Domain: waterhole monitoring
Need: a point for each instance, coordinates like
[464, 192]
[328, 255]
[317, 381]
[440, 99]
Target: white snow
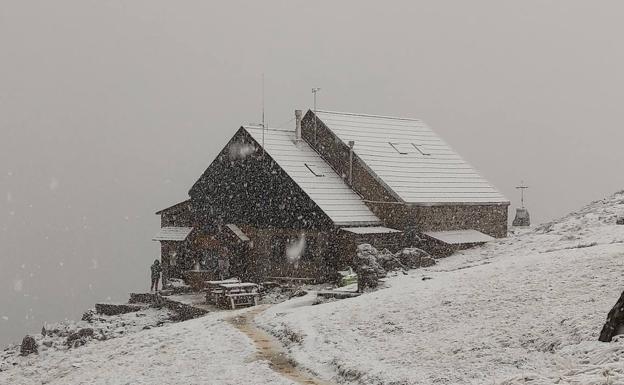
[527, 309]
[207, 350]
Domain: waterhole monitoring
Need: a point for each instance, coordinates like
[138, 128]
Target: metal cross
[522, 187]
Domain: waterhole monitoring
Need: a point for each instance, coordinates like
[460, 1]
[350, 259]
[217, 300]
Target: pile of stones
[372, 264]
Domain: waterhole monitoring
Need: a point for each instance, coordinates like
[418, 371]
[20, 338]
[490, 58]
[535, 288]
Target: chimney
[351, 144]
[298, 125]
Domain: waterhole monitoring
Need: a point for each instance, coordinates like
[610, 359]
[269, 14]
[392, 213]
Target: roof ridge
[369, 115]
[247, 126]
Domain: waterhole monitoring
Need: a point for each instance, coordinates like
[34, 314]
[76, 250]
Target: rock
[619, 220]
[29, 345]
[427, 261]
[47, 343]
[88, 315]
[297, 293]
[389, 261]
[85, 332]
[367, 268]
[79, 338]
[413, 258]
[615, 321]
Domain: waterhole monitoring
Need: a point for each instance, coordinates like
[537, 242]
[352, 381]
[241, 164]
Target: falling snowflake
[295, 250]
[18, 285]
[5, 318]
[94, 264]
[54, 184]
[9, 197]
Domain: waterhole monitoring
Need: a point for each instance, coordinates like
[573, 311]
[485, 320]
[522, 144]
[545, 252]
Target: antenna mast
[314, 91]
[263, 125]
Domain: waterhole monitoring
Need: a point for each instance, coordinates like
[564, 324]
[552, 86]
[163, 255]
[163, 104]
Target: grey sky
[109, 110]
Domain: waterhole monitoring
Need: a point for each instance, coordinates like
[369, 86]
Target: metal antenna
[522, 187]
[263, 125]
[314, 91]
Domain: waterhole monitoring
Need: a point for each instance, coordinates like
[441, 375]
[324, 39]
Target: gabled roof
[172, 234]
[414, 163]
[315, 177]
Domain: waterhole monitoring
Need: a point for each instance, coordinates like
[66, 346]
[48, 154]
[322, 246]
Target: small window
[408, 148]
[314, 169]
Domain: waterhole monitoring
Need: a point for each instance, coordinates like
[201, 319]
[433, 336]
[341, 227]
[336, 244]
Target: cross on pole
[522, 187]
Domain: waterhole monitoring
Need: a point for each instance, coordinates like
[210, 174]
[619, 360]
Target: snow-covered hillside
[526, 309]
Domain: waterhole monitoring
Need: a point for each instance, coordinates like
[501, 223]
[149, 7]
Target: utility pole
[314, 91]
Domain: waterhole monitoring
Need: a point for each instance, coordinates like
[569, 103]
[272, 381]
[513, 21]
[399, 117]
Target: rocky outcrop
[615, 321]
[29, 346]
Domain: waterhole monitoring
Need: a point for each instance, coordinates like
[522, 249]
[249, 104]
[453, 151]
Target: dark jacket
[156, 269]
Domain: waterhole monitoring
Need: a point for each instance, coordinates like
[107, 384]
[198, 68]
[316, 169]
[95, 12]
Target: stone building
[298, 201]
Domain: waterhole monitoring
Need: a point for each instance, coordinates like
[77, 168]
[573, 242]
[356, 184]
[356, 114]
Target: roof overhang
[175, 234]
[459, 237]
[370, 230]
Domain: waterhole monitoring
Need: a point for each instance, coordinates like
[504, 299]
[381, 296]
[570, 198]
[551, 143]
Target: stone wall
[488, 219]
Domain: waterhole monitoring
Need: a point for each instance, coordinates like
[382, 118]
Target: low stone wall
[115, 309]
[184, 311]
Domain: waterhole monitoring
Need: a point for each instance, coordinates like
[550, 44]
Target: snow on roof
[370, 230]
[238, 232]
[315, 177]
[172, 234]
[411, 160]
[458, 237]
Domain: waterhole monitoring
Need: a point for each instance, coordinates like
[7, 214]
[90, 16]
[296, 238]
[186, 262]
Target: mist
[110, 110]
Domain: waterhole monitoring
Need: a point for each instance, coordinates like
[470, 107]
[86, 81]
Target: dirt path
[270, 349]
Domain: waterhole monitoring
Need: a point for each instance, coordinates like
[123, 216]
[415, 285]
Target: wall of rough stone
[488, 219]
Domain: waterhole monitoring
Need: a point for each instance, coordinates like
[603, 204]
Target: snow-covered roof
[370, 230]
[411, 160]
[458, 237]
[172, 234]
[315, 177]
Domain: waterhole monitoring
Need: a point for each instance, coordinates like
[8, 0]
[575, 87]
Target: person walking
[156, 269]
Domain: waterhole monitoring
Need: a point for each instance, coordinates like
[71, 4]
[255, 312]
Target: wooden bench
[242, 299]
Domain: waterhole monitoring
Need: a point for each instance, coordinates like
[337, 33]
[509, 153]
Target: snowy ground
[527, 309]
[206, 350]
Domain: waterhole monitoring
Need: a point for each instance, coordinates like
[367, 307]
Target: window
[408, 148]
[314, 169]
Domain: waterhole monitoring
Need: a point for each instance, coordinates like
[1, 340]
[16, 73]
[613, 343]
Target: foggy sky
[110, 110]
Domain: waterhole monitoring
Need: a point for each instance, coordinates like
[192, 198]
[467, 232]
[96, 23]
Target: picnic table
[233, 294]
[213, 290]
